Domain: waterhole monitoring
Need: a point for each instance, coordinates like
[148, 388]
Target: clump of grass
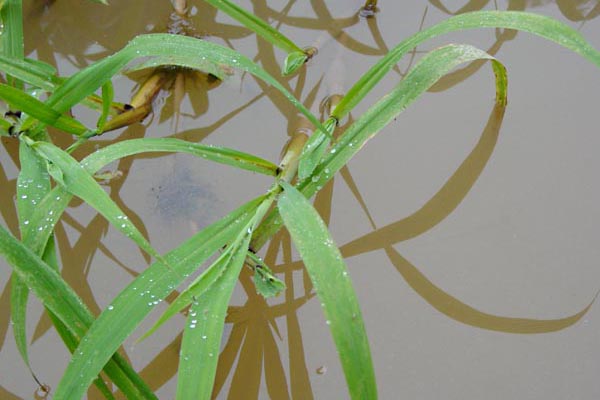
[51, 176]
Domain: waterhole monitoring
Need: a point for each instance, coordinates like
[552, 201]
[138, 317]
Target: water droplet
[333, 151]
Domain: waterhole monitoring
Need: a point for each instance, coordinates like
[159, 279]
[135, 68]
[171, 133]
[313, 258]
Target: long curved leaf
[214, 153]
[77, 180]
[180, 50]
[540, 25]
[329, 276]
[139, 298]
[204, 329]
[62, 301]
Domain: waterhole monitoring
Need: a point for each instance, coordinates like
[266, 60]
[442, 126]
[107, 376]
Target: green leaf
[293, 61]
[140, 297]
[218, 154]
[40, 111]
[181, 50]
[315, 148]
[107, 98]
[204, 328]
[29, 71]
[540, 25]
[329, 275]
[81, 183]
[61, 300]
[267, 284]
[256, 25]
[421, 77]
[11, 39]
[33, 183]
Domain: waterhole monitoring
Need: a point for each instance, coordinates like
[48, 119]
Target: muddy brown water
[458, 227]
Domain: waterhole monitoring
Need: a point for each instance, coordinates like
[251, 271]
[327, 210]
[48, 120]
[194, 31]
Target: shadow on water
[264, 347]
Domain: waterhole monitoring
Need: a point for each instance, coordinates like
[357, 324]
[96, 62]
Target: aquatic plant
[50, 177]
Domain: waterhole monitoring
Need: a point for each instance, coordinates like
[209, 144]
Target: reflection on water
[428, 198]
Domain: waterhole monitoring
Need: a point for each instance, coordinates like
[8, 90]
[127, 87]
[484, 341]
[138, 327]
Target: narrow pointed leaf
[536, 24]
[40, 111]
[180, 50]
[81, 183]
[332, 284]
[218, 154]
[140, 297]
[256, 25]
[204, 328]
[421, 77]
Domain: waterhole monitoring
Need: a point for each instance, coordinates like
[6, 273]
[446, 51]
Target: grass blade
[70, 174]
[29, 72]
[179, 50]
[61, 300]
[218, 154]
[136, 301]
[11, 39]
[40, 111]
[543, 26]
[296, 56]
[33, 183]
[540, 25]
[421, 77]
[199, 353]
[328, 273]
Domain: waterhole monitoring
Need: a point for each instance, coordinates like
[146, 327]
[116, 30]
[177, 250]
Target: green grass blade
[255, 24]
[11, 39]
[61, 300]
[540, 25]
[40, 111]
[29, 72]
[421, 77]
[70, 174]
[140, 297]
[217, 154]
[33, 183]
[201, 342]
[179, 50]
[107, 98]
[328, 273]
[196, 289]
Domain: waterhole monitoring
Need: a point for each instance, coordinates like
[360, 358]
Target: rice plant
[36, 99]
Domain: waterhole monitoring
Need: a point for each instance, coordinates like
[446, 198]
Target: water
[451, 219]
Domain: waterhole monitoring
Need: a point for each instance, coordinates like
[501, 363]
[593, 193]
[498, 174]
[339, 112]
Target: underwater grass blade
[201, 342]
[329, 276]
[140, 297]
